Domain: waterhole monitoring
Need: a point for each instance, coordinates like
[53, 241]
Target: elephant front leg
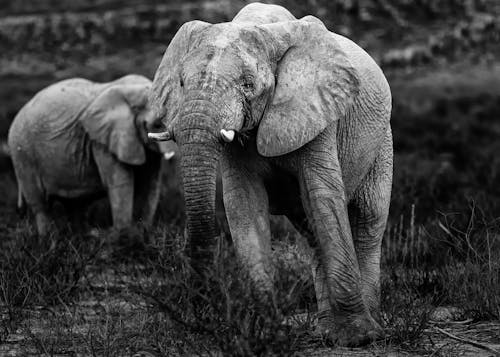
[147, 188]
[308, 247]
[247, 211]
[323, 193]
[118, 179]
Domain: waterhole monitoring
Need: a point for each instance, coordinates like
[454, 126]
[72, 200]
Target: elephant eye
[247, 83]
[181, 82]
[248, 86]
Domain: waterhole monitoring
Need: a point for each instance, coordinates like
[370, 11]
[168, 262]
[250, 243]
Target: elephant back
[53, 110]
[47, 140]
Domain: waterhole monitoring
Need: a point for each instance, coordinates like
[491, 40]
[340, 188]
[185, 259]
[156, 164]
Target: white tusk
[227, 135]
[168, 155]
[163, 136]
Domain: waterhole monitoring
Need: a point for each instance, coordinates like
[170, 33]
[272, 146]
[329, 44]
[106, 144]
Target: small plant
[223, 311]
[36, 271]
[406, 312]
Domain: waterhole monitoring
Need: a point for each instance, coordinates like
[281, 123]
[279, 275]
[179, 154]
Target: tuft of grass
[223, 311]
[40, 273]
[451, 261]
[406, 312]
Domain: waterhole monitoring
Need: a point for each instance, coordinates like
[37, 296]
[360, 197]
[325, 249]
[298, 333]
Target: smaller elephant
[77, 140]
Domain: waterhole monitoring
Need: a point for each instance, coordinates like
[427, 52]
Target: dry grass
[74, 294]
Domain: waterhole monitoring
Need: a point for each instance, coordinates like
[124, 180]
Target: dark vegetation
[103, 293]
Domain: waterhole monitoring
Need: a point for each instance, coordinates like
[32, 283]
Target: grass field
[103, 293]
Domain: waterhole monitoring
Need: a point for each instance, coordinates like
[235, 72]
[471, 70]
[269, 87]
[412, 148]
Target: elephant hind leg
[368, 211]
[40, 207]
[31, 193]
[37, 201]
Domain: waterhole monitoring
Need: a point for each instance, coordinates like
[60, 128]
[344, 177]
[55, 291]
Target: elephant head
[120, 118]
[271, 80]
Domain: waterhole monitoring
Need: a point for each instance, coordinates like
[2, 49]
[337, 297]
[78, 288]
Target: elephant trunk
[199, 177]
[200, 155]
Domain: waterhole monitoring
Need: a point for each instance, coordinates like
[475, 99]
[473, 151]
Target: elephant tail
[21, 203]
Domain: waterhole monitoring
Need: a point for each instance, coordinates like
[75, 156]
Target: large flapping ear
[110, 121]
[165, 93]
[315, 84]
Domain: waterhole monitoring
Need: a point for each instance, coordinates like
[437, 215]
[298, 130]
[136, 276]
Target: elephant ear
[315, 85]
[166, 92]
[110, 121]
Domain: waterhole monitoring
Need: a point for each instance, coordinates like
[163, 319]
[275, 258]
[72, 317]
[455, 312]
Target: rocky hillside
[440, 57]
[398, 33]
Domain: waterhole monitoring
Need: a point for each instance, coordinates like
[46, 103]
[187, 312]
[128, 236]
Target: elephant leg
[147, 188]
[247, 211]
[34, 194]
[118, 179]
[308, 247]
[324, 197]
[368, 210]
[35, 199]
[43, 221]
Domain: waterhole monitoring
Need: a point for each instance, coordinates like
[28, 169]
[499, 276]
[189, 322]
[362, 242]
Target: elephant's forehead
[226, 36]
[231, 36]
[228, 43]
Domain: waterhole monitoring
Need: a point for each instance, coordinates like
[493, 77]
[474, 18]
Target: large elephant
[78, 139]
[298, 118]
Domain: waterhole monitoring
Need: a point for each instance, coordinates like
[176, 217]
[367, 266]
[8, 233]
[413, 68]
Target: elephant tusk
[168, 155]
[227, 135]
[163, 136]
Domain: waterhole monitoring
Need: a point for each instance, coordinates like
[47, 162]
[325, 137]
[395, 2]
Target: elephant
[298, 120]
[78, 140]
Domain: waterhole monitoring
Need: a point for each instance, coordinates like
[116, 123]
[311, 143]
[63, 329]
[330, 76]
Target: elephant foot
[350, 331]
[129, 239]
[44, 224]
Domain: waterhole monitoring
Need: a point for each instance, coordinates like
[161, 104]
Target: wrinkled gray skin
[77, 140]
[311, 113]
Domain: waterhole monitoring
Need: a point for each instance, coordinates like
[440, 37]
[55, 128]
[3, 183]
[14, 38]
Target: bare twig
[470, 342]
[463, 322]
[440, 349]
